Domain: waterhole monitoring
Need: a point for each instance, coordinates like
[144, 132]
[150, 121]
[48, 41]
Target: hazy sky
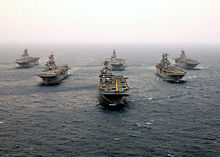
[144, 21]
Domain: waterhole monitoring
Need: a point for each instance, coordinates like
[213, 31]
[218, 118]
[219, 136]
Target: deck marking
[116, 85]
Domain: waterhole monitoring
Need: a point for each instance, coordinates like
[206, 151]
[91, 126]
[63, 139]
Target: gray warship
[185, 62]
[112, 88]
[53, 74]
[26, 61]
[116, 63]
[169, 72]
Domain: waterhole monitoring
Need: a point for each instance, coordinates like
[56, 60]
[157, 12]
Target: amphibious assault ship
[185, 62]
[168, 71]
[53, 74]
[112, 88]
[26, 61]
[116, 63]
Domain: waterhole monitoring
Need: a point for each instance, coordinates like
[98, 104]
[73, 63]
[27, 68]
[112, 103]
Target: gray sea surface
[161, 118]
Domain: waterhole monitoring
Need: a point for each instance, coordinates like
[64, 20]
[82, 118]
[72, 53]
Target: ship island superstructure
[53, 74]
[115, 62]
[169, 72]
[185, 62]
[27, 61]
[112, 88]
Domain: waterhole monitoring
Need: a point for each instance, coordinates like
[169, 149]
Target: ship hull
[112, 99]
[187, 65]
[54, 79]
[117, 67]
[28, 64]
[172, 77]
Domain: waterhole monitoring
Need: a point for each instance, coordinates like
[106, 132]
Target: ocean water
[161, 118]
